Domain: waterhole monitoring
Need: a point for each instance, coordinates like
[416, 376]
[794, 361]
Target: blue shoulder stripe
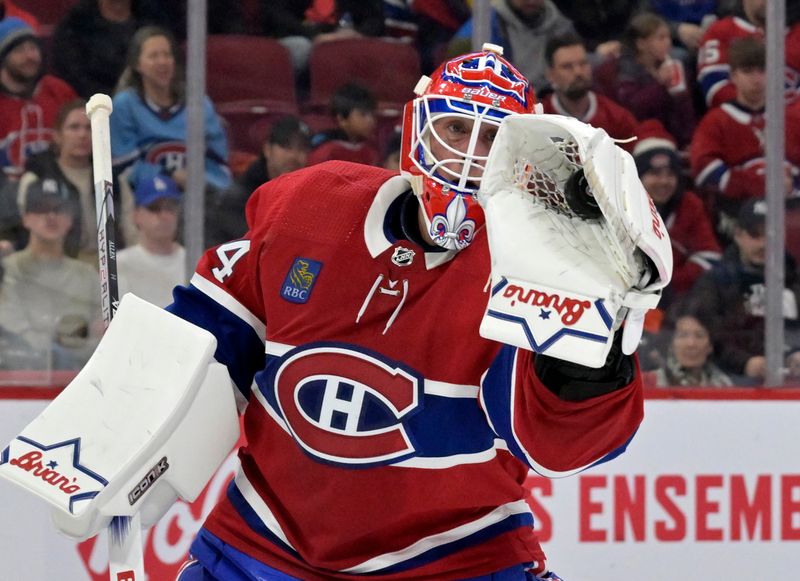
[239, 347]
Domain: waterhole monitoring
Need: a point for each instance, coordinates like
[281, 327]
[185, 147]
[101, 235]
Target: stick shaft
[99, 110]
[125, 552]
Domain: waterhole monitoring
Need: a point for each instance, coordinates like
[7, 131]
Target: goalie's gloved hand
[574, 382]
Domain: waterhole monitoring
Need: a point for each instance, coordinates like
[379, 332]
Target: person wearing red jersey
[29, 99]
[695, 247]
[402, 451]
[570, 74]
[391, 419]
[713, 67]
[727, 151]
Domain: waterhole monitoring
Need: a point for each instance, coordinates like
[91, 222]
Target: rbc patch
[300, 280]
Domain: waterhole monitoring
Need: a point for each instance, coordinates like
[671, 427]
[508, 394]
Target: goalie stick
[125, 555]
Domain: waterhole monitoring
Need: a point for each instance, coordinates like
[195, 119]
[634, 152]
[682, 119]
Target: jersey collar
[375, 235]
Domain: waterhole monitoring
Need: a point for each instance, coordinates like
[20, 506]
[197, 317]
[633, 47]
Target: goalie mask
[447, 132]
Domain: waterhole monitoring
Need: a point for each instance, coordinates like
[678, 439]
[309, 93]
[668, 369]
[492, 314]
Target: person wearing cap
[285, 150]
[9, 9]
[49, 299]
[156, 264]
[695, 247]
[570, 75]
[733, 293]
[29, 99]
[68, 160]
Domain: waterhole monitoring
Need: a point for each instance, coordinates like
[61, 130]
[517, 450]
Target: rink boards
[709, 489]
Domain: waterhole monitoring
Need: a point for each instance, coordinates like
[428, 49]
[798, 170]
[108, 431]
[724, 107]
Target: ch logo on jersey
[300, 279]
[488, 68]
[171, 155]
[347, 406]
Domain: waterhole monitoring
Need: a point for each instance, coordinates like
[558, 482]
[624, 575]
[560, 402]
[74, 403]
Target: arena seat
[48, 12]
[389, 69]
[251, 83]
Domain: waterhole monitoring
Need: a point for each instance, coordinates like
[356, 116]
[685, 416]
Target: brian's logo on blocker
[300, 280]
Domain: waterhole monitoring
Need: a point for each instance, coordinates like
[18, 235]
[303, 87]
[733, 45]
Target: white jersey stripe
[440, 388]
[259, 506]
[451, 536]
[444, 462]
[220, 296]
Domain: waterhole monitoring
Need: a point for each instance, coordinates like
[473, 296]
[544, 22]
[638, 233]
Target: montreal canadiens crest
[344, 405]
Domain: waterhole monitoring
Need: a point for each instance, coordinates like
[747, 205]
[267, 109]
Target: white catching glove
[577, 245]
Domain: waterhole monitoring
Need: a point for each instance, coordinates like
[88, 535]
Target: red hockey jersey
[26, 125]
[713, 72]
[604, 113]
[727, 152]
[385, 437]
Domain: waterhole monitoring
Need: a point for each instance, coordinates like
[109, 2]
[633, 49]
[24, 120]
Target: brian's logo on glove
[570, 309]
[548, 320]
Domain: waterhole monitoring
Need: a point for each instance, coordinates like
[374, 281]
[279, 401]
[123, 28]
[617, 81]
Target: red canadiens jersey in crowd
[695, 248]
[378, 442]
[604, 113]
[713, 72]
[727, 151]
[26, 125]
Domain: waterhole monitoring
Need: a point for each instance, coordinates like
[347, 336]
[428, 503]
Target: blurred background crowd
[292, 83]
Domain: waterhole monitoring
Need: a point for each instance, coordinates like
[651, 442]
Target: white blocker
[148, 419]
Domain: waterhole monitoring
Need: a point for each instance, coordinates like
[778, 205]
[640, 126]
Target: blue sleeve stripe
[229, 303]
[239, 347]
[497, 398]
[711, 175]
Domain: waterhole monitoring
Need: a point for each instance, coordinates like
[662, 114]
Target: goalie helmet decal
[447, 132]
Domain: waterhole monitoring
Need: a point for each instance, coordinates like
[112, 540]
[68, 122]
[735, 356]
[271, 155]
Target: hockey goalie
[403, 348]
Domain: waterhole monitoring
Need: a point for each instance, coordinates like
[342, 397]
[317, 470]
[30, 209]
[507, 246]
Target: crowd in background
[685, 78]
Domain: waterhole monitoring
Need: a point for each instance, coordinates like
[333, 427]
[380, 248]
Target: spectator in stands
[522, 28]
[148, 127]
[733, 295]
[49, 299]
[687, 19]
[299, 24]
[68, 161]
[792, 364]
[689, 359]
[727, 152]
[748, 20]
[601, 24]
[353, 109]
[155, 265]
[570, 76]
[10, 10]
[391, 153]
[91, 41]
[694, 244]
[646, 80]
[222, 17]
[430, 24]
[285, 150]
[29, 99]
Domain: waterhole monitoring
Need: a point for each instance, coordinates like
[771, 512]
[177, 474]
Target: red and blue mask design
[475, 92]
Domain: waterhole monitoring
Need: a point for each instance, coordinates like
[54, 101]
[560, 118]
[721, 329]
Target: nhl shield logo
[403, 256]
